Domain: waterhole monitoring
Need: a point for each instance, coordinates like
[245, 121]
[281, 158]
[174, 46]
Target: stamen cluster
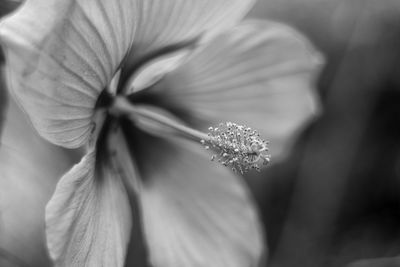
[238, 147]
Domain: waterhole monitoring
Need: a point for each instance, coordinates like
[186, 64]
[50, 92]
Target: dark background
[336, 199]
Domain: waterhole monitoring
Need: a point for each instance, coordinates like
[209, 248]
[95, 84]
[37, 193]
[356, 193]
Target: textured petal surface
[196, 213]
[259, 74]
[162, 23]
[60, 56]
[88, 218]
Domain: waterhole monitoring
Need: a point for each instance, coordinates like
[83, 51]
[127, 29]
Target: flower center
[236, 146]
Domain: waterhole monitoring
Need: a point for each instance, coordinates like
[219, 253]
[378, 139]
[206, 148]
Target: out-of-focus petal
[163, 23]
[60, 55]
[7, 6]
[196, 213]
[377, 262]
[3, 94]
[29, 168]
[260, 74]
[88, 218]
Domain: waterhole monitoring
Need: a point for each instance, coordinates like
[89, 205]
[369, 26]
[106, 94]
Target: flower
[73, 65]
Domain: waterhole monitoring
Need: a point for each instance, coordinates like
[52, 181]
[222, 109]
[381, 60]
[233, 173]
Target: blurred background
[335, 200]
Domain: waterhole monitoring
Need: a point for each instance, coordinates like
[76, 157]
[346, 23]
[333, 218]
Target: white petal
[162, 23]
[155, 69]
[60, 55]
[196, 213]
[259, 74]
[88, 218]
[28, 168]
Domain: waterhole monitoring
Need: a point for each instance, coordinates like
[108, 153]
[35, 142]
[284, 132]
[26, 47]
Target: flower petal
[28, 166]
[60, 55]
[153, 71]
[376, 262]
[88, 218]
[3, 95]
[162, 23]
[259, 74]
[196, 213]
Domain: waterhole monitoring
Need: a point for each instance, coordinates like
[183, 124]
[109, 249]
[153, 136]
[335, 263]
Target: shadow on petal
[195, 212]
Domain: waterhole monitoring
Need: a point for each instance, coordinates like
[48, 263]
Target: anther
[239, 147]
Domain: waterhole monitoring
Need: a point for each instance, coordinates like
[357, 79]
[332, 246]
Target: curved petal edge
[88, 219]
